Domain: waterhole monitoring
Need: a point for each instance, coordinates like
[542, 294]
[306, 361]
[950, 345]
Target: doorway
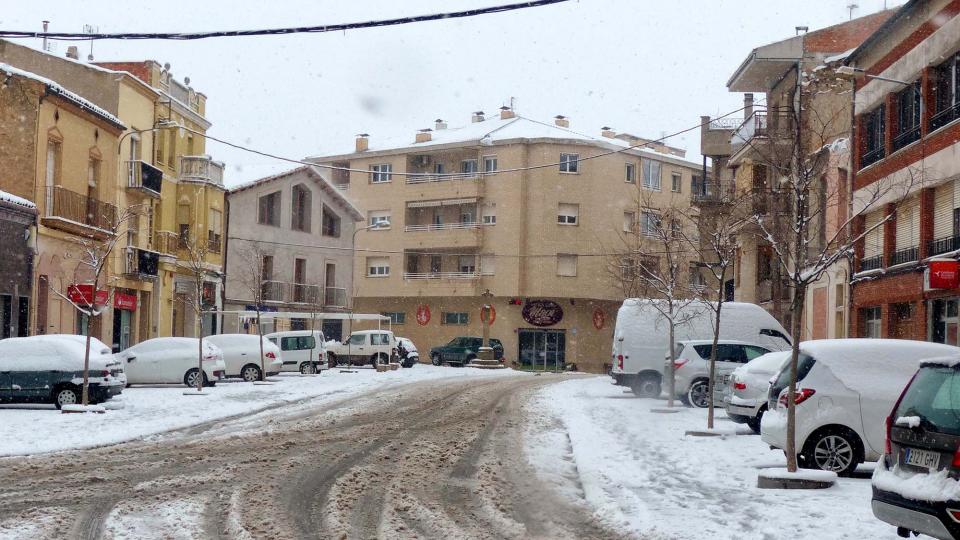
[543, 349]
[122, 321]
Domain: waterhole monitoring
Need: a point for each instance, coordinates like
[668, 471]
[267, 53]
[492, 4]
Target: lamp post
[353, 247]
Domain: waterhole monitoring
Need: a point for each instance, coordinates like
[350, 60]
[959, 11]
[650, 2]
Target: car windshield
[455, 342]
[934, 396]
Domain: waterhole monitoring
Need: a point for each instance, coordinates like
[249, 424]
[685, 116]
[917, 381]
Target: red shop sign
[944, 274]
[488, 312]
[423, 314]
[542, 312]
[82, 294]
[125, 301]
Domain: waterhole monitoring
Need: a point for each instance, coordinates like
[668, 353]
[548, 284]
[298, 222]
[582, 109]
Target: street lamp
[385, 224]
[850, 70]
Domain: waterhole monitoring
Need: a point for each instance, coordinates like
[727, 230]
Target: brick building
[18, 217]
[907, 133]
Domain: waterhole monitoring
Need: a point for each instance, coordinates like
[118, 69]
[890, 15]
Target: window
[396, 317]
[466, 216]
[380, 339]
[489, 219]
[873, 130]
[946, 92]
[569, 163]
[908, 103]
[468, 167]
[629, 221]
[489, 164]
[438, 168]
[488, 265]
[214, 228]
[183, 225]
[649, 223]
[300, 208]
[297, 343]
[161, 144]
[566, 265]
[696, 278]
[172, 149]
[379, 216]
[266, 268]
[378, 266]
[358, 339]
[467, 264]
[675, 230]
[631, 173]
[380, 173]
[268, 209]
[459, 318]
[675, 179]
[651, 174]
[871, 322]
[331, 223]
[568, 214]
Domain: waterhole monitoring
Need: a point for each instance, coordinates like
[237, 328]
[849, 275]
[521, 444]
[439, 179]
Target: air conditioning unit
[422, 161]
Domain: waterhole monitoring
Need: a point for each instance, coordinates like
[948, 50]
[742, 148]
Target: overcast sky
[640, 66]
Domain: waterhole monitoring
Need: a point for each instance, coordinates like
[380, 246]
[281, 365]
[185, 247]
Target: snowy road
[429, 459]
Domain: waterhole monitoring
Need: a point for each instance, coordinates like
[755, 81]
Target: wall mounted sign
[599, 318]
[423, 314]
[944, 274]
[488, 312]
[125, 301]
[82, 294]
[542, 312]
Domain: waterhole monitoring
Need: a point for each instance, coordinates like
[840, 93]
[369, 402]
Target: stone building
[18, 219]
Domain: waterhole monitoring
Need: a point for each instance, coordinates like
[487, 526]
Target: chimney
[424, 135]
[506, 113]
[477, 116]
[363, 142]
[608, 132]
[73, 52]
[440, 124]
[747, 105]
[561, 121]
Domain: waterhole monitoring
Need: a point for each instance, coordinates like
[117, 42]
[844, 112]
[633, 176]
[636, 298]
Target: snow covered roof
[324, 184]
[56, 88]
[493, 130]
[18, 201]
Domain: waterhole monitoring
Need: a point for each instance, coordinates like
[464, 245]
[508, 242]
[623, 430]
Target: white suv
[301, 350]
[364, 347]
[692, 366]
[746, 397]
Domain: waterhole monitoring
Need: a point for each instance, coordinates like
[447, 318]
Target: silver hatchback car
[692, 366]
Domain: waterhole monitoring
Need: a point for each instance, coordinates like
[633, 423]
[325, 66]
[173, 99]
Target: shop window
[396, 317]
[455, 318]
[871, 322]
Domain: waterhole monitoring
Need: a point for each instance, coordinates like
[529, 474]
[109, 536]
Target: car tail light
[954, 514]
[677, 364]
[799, 396]
[104, 373]
[620, 362]
[210, 357]
[887, 449]
[956, 459]
[739, 385]
[271, 356]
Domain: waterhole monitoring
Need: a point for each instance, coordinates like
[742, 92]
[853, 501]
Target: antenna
[91, 29]
[852, 6]
[46, 24]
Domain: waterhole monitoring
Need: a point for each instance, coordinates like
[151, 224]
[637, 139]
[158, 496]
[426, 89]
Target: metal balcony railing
[905, 255]
[906, 137]
[143, 176]
[872, 156]
[335, 297]
[140, 262]
[944, 117]
[871, 263]
[725, 123]
[80, 209]
[202, 169]
[942, 245]
[290, 293]
[442, 226]
[441, 275]
[166, 242]
[214, 243]
[420, 178]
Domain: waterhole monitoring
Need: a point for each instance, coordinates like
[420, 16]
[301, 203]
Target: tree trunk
[796, 311]
[263, 368]
[672, 382]
[713, 363]
[200, 350]
[85, 398]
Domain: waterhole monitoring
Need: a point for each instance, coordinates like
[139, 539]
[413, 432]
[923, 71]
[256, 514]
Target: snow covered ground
[638, 472]
[142, 411]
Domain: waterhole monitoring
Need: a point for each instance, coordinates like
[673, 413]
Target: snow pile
[937, 486]
[945, 361]
[815, 475]
[13, 199]
[83, 409]
[604, 448]
[908, 421]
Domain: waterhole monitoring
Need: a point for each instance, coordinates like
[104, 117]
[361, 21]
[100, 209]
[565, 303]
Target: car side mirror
[131, 358]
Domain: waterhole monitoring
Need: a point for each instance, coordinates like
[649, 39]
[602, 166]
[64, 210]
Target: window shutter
[488, 265]
[943, 206]
[908, 224]
[873, 242]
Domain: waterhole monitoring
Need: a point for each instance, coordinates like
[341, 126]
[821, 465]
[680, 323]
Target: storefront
[124, 308]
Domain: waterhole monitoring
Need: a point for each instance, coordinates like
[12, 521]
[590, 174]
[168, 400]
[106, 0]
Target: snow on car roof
[768, 363]
[945, 361]
[719, 342]
[31, 353]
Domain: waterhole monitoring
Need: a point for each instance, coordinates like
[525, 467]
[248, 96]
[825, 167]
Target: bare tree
[89, 280]
[195, 263]
[253, 281]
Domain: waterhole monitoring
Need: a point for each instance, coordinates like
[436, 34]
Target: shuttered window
[566, 264]
[945, 200]
[873, 242]
[908, 224]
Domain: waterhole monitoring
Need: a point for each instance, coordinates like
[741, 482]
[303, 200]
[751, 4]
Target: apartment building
[18, 219]
[750, 155]
[302, 243]
[509, 211]
[907, 107]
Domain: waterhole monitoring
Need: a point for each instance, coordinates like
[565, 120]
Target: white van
[640, 337]
[301, 350]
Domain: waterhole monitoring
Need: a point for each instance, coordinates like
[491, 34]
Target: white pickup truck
[363, 347]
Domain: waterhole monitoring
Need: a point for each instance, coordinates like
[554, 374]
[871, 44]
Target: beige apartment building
[511, 208]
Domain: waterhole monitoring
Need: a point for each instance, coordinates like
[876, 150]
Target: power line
[186, 36]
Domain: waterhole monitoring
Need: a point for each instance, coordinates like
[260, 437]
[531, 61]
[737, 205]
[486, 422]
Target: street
[427, 459]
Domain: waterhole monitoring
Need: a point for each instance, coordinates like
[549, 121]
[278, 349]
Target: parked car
[301, 350]
[41, 369]
[98, 347]
[845, 389]
[364, 347]
[462, 350]
[241, 355]
[172, 360]
[407, 352]
[916, 486]
[691, 368]
[745, 398]
[641, 335]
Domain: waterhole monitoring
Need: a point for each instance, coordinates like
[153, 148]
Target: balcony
[946, 244]
[140, 262]
[423, 178]
[166, 243]
[78, 214]
[944, 117]
[201, 169]
[439, 266]
[872, 156]
[335, 297]
[710, 192]
[762, 125]
[441, 275]
[905, 255]
[214, 242]
[871, 263]
[443, 226]
[903, 139]
[290, 293]
[142, 176]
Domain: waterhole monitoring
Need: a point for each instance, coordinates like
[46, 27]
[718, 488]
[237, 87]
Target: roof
[324, 184]
[16, 201]
[495, 130]
[883, 30]
[56, 88]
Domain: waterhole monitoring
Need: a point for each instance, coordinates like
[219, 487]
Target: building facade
[507, 211]
[301, 241]
[18, 219]
[906, 149]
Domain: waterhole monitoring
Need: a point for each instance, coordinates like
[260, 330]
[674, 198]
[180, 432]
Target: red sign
[423, 314]
[82, 295]
[125, 301]
[542, 312]
[599, 318]
[944, 274]
[488, 312]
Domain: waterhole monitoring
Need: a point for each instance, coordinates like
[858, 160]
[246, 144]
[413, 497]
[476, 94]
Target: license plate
[922, 458]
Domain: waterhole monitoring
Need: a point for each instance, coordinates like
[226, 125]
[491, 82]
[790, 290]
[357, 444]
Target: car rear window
[934, 396]
[804, 364]
[297, 343]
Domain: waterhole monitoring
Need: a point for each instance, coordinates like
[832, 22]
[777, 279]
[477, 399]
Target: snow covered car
[463, 350]
[172, 360]
[845, 389]
[302, 350]
[364, 347]
[407, 351]
[916, 485]
[691, 368]
[97, 347]
[41, 369]
[746, 398]
[241, 355]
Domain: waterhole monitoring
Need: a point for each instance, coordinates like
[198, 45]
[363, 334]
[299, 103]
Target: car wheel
[332, 360]
[65, 396]
[374, 360]
[755, 422]
[436, 360]
[250, 373]
[471, 358]
[647, 387]
[190, 378]
[308, 368]
[696, 395]
[836, 450]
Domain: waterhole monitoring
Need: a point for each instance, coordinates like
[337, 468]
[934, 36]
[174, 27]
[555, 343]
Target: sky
[642, 67]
